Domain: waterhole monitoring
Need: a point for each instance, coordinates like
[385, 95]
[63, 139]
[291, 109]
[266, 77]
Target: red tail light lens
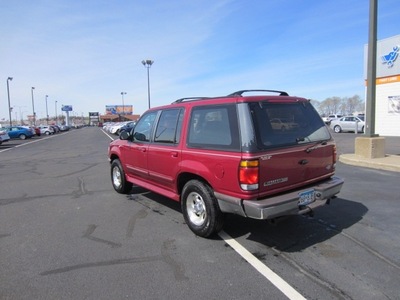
[334, 155]
[249, 174]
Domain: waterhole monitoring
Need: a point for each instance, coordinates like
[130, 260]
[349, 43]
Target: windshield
[284, 124]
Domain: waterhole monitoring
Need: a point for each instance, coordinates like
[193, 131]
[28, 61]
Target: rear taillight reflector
[249, 174]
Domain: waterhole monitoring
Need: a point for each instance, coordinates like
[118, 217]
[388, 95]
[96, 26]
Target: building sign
[394, 104]
[390, 58]
[387, 61]
[66, 108]
[119, 110]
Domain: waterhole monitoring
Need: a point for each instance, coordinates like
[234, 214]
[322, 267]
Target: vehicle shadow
[288, 234]
[148, 198]
[296, 233]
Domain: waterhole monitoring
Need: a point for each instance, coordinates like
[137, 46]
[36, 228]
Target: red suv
[225, 155]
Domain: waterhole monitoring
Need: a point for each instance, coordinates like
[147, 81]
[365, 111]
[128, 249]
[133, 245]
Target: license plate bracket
[306, 197]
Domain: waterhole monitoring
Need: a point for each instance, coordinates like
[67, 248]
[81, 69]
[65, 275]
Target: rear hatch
[294, 145]
[286, 169]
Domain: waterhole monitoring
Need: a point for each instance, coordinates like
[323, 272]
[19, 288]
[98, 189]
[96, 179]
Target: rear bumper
[281, 205]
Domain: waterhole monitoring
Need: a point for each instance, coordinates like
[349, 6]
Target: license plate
[306, 197]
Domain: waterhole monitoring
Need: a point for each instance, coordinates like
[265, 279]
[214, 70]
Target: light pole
[147, 64]
[56, 112]
[123, 105]
[47, 112]
[33, 107]
[9, 105]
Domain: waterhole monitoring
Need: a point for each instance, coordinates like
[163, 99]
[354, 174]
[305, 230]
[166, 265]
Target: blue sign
[390, 57]
[66, 108]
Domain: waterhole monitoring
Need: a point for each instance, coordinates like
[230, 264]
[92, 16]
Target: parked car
[37, 131]
[64, 128]
[348, 124]
[127, 127]
[31, 128]
[56, 129]
[19, 132]
[223, 155]
[329, 118]
[45, 129]
[4, 137]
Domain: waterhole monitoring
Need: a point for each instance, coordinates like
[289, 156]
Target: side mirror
[124, 135]
[139, 136]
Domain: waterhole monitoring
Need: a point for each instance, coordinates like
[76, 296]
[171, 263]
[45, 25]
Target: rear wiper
[313, 147]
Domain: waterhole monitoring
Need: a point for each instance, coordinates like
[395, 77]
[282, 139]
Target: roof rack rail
[239, 93]
[189, 99]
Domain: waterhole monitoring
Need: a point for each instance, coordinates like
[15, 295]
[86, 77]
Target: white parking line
[34, 141]
[111, 138]
[274, 278]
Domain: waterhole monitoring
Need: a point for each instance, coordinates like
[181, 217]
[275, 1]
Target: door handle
[174, 154]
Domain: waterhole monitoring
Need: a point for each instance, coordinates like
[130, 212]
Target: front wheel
[119, 182]
[337, 129]
[200, 209]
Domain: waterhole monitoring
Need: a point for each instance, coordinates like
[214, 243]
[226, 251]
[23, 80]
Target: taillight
[334, 156]
[249, 174]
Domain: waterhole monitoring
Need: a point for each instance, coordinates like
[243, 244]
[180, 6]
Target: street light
[147, 64]
[56, 112]
[9, 105]
[123, 105]
[47, 112]
[33, 108]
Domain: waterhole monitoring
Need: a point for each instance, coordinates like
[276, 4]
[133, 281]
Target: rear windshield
[285, 124]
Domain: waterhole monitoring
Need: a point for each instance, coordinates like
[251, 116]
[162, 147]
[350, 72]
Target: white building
[387, 110]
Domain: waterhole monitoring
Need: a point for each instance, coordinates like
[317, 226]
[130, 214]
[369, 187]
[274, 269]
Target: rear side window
[285, 124]
[214, 127]
[169, 127]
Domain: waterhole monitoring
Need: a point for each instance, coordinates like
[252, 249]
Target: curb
[388, 163]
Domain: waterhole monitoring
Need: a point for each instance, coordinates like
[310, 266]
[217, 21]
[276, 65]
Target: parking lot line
[274, 278]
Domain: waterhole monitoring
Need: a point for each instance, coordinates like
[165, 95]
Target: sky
[85, 53]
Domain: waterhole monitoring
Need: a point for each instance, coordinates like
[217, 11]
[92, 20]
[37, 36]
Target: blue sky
[85, 53]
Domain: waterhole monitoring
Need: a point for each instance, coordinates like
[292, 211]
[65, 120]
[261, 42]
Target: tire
[200, 209]
[118, 179]
[337, 129]
[47, 132]
[22, 136]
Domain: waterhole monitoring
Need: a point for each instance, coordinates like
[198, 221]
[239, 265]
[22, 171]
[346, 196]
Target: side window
[166, 131]
[214, 127]
[144, 126]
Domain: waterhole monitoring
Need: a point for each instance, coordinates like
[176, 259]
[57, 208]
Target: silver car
[4, 137]
[348, 123]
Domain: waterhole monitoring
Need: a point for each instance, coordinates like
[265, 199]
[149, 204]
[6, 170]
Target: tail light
[334, 156]
[249, 174]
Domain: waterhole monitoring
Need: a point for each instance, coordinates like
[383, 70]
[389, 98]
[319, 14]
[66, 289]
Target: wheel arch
[185, 177]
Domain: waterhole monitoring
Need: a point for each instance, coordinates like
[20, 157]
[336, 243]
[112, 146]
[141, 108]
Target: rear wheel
[337, 129]
[200, 209]
[118, 178]
[22, 136]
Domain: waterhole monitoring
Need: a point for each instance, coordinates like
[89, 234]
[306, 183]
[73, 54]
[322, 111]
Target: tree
[337, 105]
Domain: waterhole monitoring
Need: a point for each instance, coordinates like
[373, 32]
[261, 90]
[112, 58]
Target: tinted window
[214, 127]
[283, 124]
[169, 126]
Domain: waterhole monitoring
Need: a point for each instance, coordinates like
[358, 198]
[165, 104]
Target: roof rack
[239, 93]
[189, 99]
